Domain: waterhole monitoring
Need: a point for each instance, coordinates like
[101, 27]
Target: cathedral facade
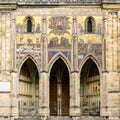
[59, 59]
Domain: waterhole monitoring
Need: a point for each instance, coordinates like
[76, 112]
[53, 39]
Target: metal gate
[26, 107]
[55, 106]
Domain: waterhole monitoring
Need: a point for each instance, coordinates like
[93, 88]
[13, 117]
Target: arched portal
[90, 88]
[28, 87]
[59, 89]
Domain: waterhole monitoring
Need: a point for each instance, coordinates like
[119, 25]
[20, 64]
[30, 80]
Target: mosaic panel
[28, 43]
[89, 43]
[67, 54]
[59, 32]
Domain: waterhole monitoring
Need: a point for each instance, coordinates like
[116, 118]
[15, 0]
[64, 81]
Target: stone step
[49, 118]
[59, 118]
[31, 115]
[29, 118]
[89, 118]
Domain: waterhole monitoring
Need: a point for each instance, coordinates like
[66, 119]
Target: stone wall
[109, 64]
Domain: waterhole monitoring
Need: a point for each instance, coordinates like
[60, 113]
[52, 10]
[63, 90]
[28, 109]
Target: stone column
[75, 78]
[104, 42]
[44, 80]
[110, 77]
[0, 40]
[104, 97]
[115, 39]
[107, 66]
[6, 39]
[6, 67]
[14, 96]
[14, 74]
[75, 95]
[3, 37]
[119, 39]
[109, 51]
[44, 95]
[44, 47]
[75, 45]
[13, 42]
[114, 81]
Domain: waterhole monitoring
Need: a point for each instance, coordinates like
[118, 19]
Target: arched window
[90, 25]
[29, 26]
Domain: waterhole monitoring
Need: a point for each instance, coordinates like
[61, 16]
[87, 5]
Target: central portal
[59, 89]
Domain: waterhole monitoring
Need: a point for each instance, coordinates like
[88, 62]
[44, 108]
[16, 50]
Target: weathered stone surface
[27, 68]
[89, 118]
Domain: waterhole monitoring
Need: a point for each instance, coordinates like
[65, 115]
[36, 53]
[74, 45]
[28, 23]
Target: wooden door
[65, 95]
[53, 96]
[59, 89]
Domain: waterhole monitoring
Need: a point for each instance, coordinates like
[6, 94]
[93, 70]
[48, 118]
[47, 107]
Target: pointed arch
[90, 80]
[55, 58]
[59, 79]
[28, 84]
[24, 59]
[92, 57]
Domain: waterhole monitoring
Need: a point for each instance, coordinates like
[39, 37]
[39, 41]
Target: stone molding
[11, 4]
[110, 1]
[8, 4]
[57, 2]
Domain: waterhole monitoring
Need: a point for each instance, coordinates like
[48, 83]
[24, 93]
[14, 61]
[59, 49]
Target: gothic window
[90, 25]
[29, 26]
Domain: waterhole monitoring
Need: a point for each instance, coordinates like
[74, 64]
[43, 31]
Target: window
[29, 26]
[90, 25]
